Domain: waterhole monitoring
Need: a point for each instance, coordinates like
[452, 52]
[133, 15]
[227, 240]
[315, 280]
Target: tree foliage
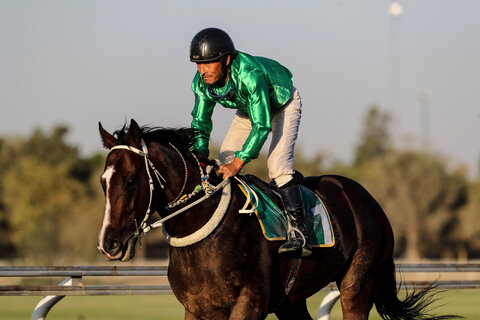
[51, 203]
[419, 192]
[468, 233]
[375, 138]
[423, 197]
[46, 197]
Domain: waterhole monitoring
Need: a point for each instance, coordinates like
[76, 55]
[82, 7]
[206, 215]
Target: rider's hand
[230, 169]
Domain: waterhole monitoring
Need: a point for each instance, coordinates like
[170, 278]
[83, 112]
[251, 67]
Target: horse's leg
[189, 315]
[359, 285]
[248, 306]
[297, 311]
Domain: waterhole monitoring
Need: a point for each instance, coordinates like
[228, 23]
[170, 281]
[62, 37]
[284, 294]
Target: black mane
[182, 138]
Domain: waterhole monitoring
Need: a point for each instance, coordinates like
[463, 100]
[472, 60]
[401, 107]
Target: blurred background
[390, 90]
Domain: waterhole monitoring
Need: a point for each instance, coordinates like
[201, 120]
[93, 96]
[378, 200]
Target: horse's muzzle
[117, 250]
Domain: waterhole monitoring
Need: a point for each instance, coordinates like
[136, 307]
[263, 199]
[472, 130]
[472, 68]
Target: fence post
[43, 307]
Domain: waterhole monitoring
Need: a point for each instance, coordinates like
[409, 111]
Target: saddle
[267, 205]
[270, 190]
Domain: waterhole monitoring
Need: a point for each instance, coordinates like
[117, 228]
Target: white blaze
[107, 176]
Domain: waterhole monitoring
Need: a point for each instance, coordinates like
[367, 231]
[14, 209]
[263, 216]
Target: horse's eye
[131, 181]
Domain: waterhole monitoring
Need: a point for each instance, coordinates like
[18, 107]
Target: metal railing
[77, 287]
[332, 297]
[73, 284]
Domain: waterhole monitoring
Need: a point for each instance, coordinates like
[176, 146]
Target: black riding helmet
[210, 45]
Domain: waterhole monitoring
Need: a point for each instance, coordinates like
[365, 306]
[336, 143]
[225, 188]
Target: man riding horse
[262, 92]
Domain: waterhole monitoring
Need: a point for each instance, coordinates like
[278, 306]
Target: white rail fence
[73, 284]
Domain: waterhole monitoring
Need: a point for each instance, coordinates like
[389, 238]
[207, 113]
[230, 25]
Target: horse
[220, 264]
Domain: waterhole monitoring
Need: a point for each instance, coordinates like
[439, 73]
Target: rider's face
[211, 71]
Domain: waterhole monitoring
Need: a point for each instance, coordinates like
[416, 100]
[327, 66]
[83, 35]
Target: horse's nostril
[113, 247]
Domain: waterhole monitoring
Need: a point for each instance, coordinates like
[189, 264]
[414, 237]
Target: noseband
[205, 186]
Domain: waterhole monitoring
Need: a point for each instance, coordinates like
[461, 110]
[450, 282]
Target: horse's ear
[134, 134]
[108, 140]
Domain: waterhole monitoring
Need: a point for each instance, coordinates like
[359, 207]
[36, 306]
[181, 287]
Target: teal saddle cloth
[274, 223]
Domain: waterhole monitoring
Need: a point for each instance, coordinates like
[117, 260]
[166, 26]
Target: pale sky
[84, 61]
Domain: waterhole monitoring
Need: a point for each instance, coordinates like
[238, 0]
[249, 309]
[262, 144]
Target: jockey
[262, 92]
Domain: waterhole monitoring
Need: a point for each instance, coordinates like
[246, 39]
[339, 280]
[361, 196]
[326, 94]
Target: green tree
[49, 198]
[6, 244]
[422, 199]
[469, 229]
[375, 140]
[39, 198]
[419, 192]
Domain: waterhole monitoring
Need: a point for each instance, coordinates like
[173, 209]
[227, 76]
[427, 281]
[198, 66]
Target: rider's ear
[134, 134]
[108, 140]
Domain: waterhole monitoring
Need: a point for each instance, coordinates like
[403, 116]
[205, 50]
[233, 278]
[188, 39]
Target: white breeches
[285, 123]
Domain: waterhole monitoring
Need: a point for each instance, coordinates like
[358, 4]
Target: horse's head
[126, 187]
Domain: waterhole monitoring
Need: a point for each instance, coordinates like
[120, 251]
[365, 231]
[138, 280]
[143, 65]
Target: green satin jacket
[261, 86]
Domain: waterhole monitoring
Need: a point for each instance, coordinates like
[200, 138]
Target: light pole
[395, 11]
[424, 119]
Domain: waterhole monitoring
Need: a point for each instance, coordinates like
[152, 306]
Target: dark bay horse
[220, 264]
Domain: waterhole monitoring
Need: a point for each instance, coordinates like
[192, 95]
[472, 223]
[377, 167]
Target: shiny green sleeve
[202, 121]
[258, 106]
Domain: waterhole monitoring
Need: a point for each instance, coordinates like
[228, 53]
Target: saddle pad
[274, 224]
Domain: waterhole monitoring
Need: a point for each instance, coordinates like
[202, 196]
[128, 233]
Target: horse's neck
[181, 180]
[181, 175]
[195, 217]
[194, 220]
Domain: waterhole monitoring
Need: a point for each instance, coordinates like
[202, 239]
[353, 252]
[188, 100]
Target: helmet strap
[225, 70]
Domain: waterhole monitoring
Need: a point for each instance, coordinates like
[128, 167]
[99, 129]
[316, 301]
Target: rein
[208, 188]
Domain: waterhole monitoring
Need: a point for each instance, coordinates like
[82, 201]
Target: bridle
[205, 186]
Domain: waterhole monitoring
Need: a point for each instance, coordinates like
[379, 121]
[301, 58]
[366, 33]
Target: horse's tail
[414, 306]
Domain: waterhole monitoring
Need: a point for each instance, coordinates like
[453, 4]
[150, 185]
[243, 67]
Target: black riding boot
[297, 244]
